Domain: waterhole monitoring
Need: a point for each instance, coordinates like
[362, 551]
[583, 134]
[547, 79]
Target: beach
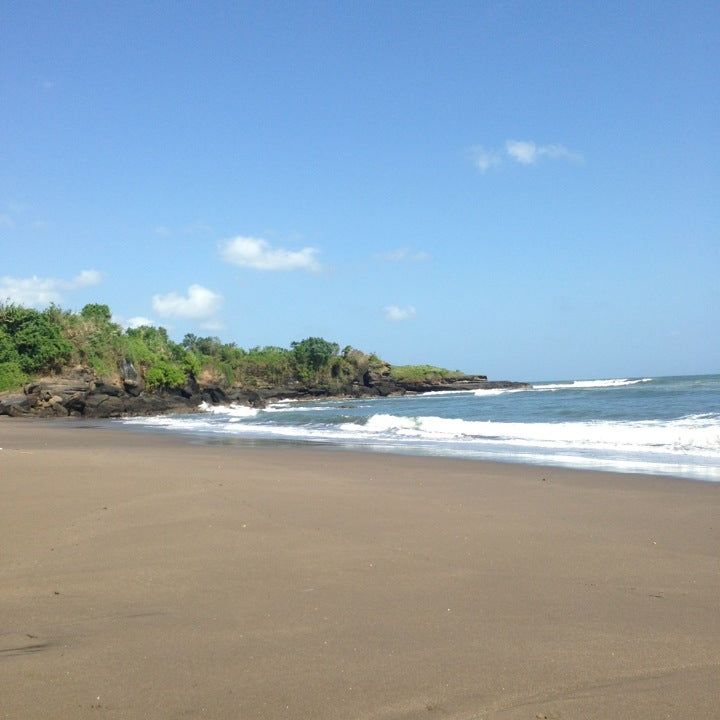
[152, 576]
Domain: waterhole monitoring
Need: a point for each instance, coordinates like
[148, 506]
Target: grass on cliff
[37, 342]
[422, 373]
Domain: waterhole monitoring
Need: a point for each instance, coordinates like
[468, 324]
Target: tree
[98, 312]
[189, 342]
[313, 354]
[37, 337]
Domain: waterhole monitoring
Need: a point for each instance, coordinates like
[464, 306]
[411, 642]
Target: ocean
[663, 425]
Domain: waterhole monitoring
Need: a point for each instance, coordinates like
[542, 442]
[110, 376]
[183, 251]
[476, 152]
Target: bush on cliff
[97, 341]
[165, 374]
[36, 336]
[11, 374]
[312, 356]
[421, 373]
[97, 312]
[33, 342]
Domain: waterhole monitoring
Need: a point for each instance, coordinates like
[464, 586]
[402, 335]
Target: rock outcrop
[80, 394]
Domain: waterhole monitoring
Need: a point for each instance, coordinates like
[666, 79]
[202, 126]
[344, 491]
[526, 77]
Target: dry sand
[142, 576]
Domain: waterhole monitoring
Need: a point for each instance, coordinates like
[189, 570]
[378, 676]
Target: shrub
[37, 337]
[313, 355]
[97, 312]
[191, 364]
[421, 373]
[11, 376]
[165, 374]
[8, 351]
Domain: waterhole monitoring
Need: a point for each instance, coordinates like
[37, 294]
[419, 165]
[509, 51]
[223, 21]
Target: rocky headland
[80, 393]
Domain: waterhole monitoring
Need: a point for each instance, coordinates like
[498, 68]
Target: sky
[527, 190]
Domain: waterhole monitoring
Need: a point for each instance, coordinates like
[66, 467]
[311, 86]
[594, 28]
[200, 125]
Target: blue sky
[529, 190]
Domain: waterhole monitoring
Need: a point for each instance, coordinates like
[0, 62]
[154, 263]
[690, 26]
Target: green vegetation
[420, 373]
[312, 355]
[165, 374]
[37, 342]
[30, 341]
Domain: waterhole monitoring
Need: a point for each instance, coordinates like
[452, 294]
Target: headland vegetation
[56, 362]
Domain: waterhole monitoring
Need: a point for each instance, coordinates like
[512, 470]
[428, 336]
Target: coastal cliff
[56, 363]
[79, 393]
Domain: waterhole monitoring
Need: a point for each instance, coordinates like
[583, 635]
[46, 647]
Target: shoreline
[144, 576]
[187, 437]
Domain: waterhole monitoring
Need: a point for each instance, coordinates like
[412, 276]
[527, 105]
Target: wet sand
[142, 576]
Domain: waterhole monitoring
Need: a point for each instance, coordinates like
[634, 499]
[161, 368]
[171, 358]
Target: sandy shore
[145, 577]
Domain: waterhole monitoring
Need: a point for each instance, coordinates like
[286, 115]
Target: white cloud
[6, 221]
[139, 321]
[199, 304]
[484, 159]
[526, 152]
[33, 291]
[256, 253]
[37, 292]
[396, 314]
[404, 254]
[86, 278]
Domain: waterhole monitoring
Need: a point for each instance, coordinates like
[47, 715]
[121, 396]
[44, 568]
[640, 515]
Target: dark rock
[133, 383]
[76, 403]
[214, 395]
[247, 397]
[100, 405]
[104, 389]
[78, 393]
[15, 404]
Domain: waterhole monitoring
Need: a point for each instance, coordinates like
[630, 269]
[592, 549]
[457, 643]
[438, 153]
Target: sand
[143, 576]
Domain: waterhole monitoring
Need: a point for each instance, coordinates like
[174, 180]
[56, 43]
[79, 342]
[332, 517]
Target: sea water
[663, 425]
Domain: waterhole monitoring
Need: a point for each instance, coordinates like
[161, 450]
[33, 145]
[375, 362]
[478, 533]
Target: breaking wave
[237, 411]
[694, 434]
[589, 384]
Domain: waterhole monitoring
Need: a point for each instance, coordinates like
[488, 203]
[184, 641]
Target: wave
[478, 393]
[589, 384]
[236, 411]
[498, 391]
[688, 436]
[694, 434]
[570, 385]
[441, 392]
[688, 446]
[285, 408]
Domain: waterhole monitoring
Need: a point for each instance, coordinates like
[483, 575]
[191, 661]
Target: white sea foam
[498, 391]
[694, 434]
[688, 445]
[236, 411]
[285, 408]
[570, 385]
[589, 384]
[441, 392]
[480, 392]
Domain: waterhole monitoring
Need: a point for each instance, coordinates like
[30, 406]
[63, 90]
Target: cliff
[55, 363]
[79, 393]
